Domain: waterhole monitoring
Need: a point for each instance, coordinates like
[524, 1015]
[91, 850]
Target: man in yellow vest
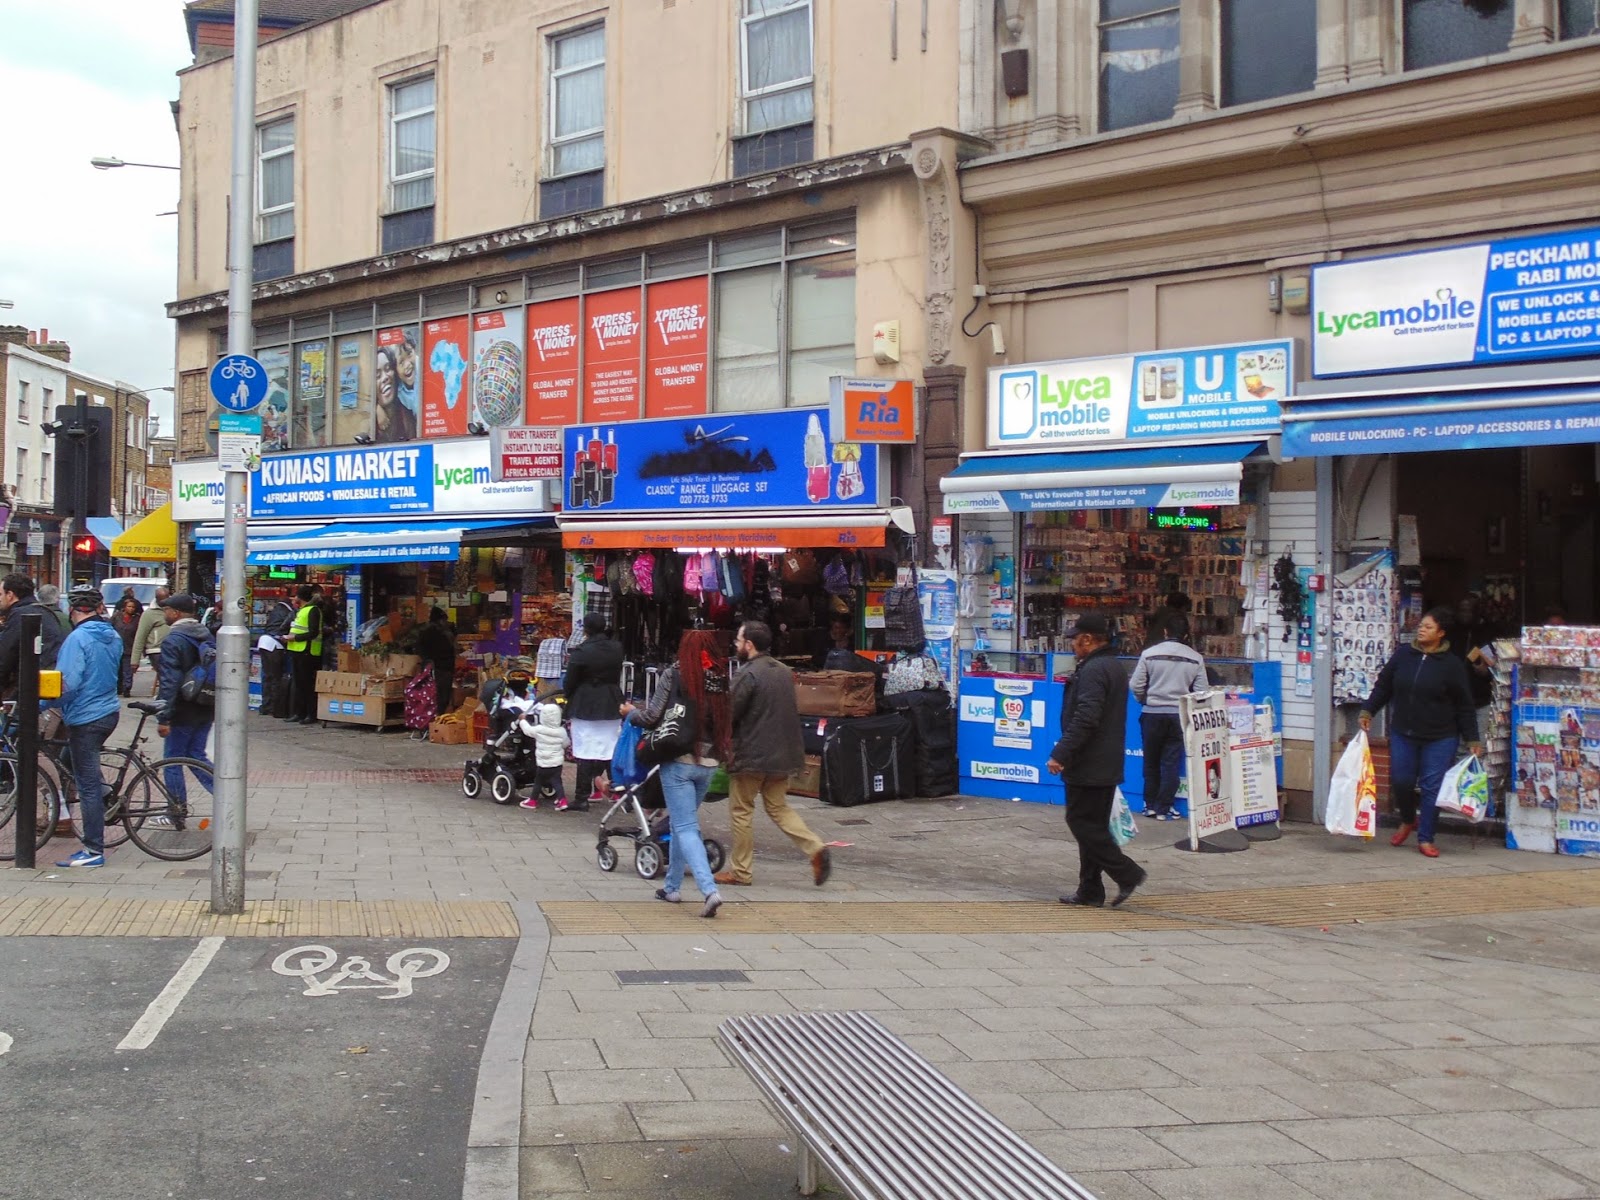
[305, 656]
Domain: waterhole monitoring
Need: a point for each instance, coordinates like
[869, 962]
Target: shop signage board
[497, 367]
[722, 461]
[612, 334]
[1204, 716]
[463, 484]
[1514, 300]
[1411, 430]
[748, 538]
[678, 347]
[1253, 762]
[1159, 495]
[525, 452]
[445, 389]
[1211, 392]
[554, 339]
[197, 491]
[883, 411]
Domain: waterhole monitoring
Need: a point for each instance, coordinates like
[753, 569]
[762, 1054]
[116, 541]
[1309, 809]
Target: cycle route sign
[239, 385]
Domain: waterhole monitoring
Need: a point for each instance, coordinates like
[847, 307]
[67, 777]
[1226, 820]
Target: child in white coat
[550, 743]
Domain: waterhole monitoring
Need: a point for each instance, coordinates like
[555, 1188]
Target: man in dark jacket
[273, 645]
[436, 643]
[593, 685]
[1089, 759]
[17, 600]
[766, 748]
[184, 724]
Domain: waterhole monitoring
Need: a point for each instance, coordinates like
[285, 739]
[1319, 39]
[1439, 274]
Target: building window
[275, 181]
[775, 64]
[822, 325]
[1138, 62]
[411, 144]
[48, 403]
[577, 101]
[22, 400]
[46, 480]
[1269, 49]
[748, 354]
[1580, 18]
[22, 472]
[1435, 32]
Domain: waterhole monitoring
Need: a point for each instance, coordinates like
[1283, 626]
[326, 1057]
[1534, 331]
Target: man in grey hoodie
[1167, 671]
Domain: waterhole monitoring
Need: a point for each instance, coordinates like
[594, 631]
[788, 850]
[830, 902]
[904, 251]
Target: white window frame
[396, 118]
[46, 476]
[24, 408]
[746, 93]
[262, 157]
[552, 140]
[22, 472]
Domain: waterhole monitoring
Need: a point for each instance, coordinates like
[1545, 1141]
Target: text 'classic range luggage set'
[867, 756]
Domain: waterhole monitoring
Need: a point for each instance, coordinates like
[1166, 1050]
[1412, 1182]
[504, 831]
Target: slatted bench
[881, 1119]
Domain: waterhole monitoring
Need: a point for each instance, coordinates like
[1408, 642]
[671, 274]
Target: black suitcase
[814, 731]
[934, 719]
[865, 759]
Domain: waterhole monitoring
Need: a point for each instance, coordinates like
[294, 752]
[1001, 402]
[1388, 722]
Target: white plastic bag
[1353, 795]
[1123, 827]
[1465, 789]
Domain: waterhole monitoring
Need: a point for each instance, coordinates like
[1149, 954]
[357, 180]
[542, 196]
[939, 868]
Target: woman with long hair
[125, 620]
[698, 679]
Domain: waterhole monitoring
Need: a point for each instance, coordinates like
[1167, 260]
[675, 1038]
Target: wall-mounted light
[477, 429]
[362, 439]
[502, 296]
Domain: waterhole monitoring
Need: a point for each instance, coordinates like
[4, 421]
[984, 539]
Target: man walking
[17, 601]
[305, 655]
[91, 669]
[766, 748]
[1089, 759]
[152, 629]
[1168, 671]
[184, 723]
[275, 660]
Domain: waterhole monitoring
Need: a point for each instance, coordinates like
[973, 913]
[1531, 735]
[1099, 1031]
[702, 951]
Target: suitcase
[836, 694]
[869, 759]
[814, 732]
[934, 719]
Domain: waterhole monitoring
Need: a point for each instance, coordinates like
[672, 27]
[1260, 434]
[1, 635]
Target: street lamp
[106, 164]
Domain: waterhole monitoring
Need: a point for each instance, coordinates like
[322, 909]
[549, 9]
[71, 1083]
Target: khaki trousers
[774, 793]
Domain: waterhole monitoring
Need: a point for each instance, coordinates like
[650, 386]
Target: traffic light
[84, 545]
[83, 460]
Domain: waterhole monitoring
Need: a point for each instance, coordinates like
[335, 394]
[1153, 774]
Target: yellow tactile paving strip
[1285, 907]
[68, 917]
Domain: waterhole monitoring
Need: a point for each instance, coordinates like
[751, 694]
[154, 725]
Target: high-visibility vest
[300, 632]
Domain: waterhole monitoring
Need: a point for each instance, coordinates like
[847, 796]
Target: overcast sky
[82, 252]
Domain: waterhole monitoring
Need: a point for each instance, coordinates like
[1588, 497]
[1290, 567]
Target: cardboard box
[400, 666]
[446, 731]
[351, 660]
[340, 683]
[807, 781]
[382, 685]
[358, 710]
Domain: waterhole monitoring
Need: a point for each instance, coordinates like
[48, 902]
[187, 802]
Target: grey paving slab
[1585, 1163]
[1383, 1179]
[1228, 1104]
[1580, 1125]
[1579, 1090]
[1222, 1183]
[1347, 1099]
[1223, 1070]
[1108, 1110]
[1497, 1176]
[1110, 1074]
[1486, 1132]
[1079, 1150]
[1466, 1095]
[1224, 1145]
[1358, 1137]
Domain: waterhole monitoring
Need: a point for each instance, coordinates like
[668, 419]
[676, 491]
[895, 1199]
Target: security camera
[362, 439]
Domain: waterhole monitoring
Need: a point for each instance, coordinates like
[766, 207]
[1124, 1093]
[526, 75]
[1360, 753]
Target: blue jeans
[1417, 765]
[684, 786]
[1162, 735]
[184, 741]
[84, 743]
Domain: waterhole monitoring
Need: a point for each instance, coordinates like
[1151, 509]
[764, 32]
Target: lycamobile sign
[1521, 299]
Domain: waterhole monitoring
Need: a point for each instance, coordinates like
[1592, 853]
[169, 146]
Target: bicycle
[47, 810]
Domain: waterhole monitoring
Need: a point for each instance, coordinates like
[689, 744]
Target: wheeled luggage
[869, 759]
[836, 694]
[934, 719]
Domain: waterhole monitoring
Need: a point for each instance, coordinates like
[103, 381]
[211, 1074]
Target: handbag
[674, 734]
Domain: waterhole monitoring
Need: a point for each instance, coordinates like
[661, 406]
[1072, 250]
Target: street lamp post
[107, 164]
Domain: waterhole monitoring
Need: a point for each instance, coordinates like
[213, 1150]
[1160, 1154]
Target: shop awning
[780, 529]
[1477, 418]
[209, 537]
[1146, 477]
[371, 542]
[105, 529]
[154, 539]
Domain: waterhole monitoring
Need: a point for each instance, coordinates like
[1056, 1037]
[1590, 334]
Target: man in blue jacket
[90, 663]
[185, 724]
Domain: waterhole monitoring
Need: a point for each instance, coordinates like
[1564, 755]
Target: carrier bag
[873, 758]
[933, 718]
[1465, 789]
[836, 694]
[1123, 827]
[626, 769]
[1353, 794]
[421, 696]
[902, 618]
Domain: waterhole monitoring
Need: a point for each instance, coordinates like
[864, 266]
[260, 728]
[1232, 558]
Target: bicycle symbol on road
[309, 962]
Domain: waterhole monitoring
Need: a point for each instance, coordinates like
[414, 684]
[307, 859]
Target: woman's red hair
[703, 653]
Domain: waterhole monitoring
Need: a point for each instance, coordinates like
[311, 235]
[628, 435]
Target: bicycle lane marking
[160, 1009]
[5, 1042]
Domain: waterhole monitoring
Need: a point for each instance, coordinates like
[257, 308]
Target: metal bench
[881, 1119]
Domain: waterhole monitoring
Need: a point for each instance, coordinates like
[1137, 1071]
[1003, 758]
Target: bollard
[27, 742]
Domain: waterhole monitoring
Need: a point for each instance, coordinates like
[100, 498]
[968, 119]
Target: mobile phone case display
[1111, 562]
[1556, 723]
[1366, 616]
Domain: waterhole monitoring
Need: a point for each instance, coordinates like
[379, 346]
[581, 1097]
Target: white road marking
[5, 1042]
[309, 961]
[163, 1006]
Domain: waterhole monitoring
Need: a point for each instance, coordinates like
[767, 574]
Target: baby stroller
[641, 815]
[507, 764]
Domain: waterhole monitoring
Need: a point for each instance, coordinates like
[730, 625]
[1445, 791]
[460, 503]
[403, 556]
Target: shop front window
[822, 325]
[1580, 18]
[1138, 62]
[748, 360]
[1436, 32]
[1269, 49]
[310, 421]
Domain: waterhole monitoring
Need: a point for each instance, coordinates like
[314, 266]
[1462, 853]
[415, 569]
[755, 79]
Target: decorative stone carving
[933, 177]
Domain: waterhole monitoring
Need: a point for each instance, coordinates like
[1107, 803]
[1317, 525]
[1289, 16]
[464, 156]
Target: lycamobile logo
[199, 491]
[446, 478]
[1076, 401]
[1444, 306]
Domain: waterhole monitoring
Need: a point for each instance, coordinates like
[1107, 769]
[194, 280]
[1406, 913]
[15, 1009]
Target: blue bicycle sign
[238, 382]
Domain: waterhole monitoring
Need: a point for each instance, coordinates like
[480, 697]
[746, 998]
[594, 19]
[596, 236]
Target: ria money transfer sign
[1212, 392]
[1517, 300]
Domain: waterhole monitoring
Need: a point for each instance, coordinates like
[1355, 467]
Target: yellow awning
[154, 539]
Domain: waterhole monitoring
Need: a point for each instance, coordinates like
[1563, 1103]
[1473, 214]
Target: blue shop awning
[1480, 418]
[105, 529]
[1143, 477]
[370, 542]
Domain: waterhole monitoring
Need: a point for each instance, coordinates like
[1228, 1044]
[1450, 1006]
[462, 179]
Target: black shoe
[1127, 890]
[308, 720]
[1080, 902]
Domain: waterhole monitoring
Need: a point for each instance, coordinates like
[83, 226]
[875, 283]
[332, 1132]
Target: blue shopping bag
[626, 769]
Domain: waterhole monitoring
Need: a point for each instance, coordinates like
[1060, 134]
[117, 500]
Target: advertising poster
[1366, 620]
[937, 590]
[352, 409]
[1254, 764]
[678, 348]
[553, 345]
[311, 395]
[444, 378]
[611, 347]
[497, 368]
[275, 420]
[396, 384]
[1205, 737]
[730, 460]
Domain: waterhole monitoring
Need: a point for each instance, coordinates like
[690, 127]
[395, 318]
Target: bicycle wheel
[119, 769]
[47, 808]
[168, 810]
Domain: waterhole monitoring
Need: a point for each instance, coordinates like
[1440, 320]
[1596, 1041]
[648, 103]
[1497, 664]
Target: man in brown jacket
[766, 748]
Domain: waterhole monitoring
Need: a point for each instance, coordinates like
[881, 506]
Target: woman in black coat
[593, 685]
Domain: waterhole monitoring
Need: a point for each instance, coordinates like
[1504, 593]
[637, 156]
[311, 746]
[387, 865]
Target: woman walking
[126, 622]
[1429, 698]
[698, 680]
[593, 685]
